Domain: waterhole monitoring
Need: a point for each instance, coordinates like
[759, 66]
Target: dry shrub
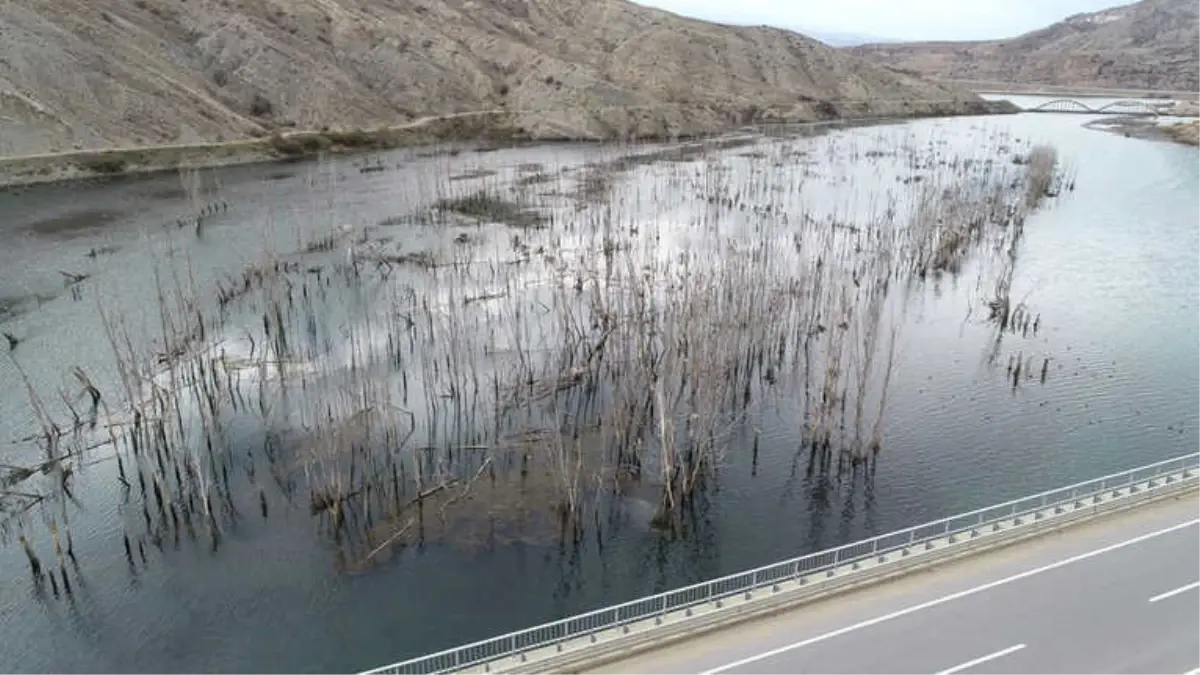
[1042, 161]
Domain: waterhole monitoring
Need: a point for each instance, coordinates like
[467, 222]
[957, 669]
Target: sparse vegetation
[489, 207]
[260, 106]
[102, 165]
[299, 146]
[354, 140]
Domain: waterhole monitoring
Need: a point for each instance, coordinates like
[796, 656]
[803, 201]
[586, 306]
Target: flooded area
[322, 416]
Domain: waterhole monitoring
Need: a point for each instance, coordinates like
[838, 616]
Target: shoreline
[280, 147]
[490, 127]
[1183, 133]
[1187, 133]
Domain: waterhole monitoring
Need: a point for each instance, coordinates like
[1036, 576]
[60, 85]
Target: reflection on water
[1109, 269]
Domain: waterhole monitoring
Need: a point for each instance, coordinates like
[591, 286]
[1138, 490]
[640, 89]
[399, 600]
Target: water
[1110, 268]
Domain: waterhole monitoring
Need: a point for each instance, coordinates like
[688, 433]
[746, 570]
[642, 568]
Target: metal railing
[609, 618]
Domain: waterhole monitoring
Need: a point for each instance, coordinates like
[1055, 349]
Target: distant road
[986, 87]
[1117, 595]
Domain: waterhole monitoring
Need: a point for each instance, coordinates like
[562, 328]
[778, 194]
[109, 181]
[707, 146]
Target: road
[1116, 595]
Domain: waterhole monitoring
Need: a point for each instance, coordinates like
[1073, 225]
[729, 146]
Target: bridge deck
[1093, 598]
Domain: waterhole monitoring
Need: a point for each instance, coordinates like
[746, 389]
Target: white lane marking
[1193, 672]
[983, 659]
[953, 596]
[1177, 591]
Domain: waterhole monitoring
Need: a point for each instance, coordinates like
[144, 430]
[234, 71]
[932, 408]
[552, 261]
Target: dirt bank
[492, 126]
[1148, 128]
[1185, 132]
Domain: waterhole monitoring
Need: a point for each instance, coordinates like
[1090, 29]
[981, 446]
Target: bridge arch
[1064, 105]
[1119, 107]
[1130, 105]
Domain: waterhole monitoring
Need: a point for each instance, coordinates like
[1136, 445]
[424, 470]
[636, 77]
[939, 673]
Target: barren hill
[1152, 44]
[98, 73]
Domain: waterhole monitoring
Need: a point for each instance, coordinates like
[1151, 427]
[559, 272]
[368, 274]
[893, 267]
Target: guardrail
[861, 554]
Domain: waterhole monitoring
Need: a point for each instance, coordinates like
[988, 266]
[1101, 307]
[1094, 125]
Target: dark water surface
[1112, 269]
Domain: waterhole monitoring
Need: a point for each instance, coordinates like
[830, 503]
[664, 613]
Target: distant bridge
[1122, 107]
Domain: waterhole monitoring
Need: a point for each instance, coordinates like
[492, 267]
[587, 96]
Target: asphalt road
[1116, 595]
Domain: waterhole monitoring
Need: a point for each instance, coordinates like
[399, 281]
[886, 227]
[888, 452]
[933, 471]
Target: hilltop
[1152, 44]
[86, 74]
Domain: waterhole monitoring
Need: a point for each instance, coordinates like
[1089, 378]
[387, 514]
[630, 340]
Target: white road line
[1177, 591]
[983, 659]
[953, 596]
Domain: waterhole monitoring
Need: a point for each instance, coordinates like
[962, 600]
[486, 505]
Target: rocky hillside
[100, 73]
[1153, 44]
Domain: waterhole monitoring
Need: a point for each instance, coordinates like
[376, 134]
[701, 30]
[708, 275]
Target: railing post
[874, 546]
[664, 604]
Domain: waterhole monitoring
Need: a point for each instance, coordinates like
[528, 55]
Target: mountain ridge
[1152, 44]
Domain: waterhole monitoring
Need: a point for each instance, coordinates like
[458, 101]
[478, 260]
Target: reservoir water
[1109, 268]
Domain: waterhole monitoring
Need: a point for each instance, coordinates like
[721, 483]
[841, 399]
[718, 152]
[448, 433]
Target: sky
[899, 20]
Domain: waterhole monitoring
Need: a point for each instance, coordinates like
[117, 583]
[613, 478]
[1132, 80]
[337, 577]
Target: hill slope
[98, 73]
[1152, 44]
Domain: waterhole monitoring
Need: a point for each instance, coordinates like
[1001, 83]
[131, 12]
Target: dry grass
[1185, 132]
[518, 388]
[488, 207]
